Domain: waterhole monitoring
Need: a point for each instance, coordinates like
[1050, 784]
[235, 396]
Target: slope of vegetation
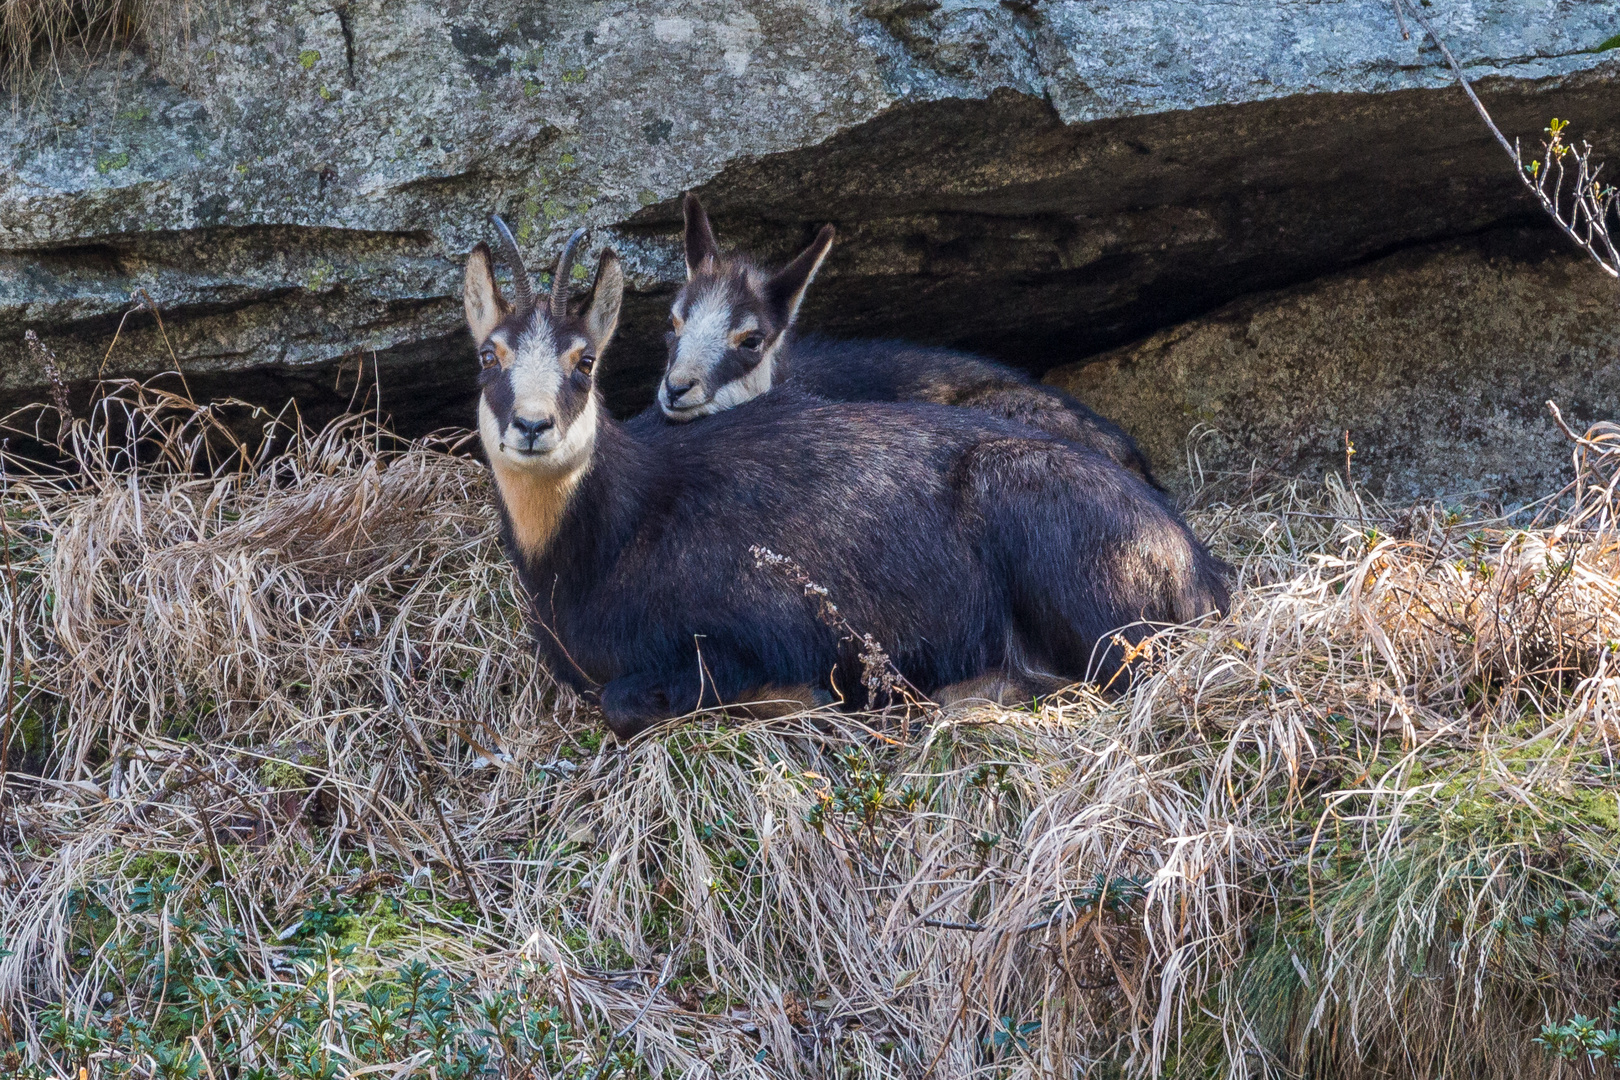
[286, 794]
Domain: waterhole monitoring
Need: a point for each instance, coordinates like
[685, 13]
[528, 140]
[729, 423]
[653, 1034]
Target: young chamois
[965, 545]
[731, 339]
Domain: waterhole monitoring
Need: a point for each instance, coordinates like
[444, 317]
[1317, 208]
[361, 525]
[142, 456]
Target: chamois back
[731, 339]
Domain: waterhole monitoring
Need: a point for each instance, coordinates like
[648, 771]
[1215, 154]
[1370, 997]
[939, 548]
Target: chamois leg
[1000, 688]
[776, 702]
[1090, 554]
[634, 703]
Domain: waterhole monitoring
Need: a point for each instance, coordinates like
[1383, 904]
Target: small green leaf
[1611, 43]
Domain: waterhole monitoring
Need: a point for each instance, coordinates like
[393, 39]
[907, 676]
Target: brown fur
[999, 688]
[534, 504]
[775, 702]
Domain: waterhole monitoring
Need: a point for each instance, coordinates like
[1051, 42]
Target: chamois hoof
[635, 703]
[626, 727]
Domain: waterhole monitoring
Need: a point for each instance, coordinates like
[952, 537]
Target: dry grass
[32, 31]
[37, 36]
[284, 707]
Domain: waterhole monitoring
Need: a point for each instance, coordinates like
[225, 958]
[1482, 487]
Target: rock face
[1439, 362]
[294, 185]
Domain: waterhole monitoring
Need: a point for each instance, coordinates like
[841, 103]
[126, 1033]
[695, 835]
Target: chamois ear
[786, 289]
[602, 316]
[702, 250]
[481, 297]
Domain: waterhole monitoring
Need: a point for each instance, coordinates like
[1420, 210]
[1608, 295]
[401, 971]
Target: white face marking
[536, 378]
[747, 388]
[705, 337]
[536, 488]
[536, 374]
[556, 457]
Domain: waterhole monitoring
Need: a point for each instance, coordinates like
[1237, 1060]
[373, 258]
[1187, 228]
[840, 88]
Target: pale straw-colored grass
[1321, 837]
[36, 33]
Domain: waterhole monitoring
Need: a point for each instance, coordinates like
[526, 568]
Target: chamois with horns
[731, 339]
[967, 546]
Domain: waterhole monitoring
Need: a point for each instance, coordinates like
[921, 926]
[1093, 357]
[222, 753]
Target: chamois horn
[559, 280]
[514, 259]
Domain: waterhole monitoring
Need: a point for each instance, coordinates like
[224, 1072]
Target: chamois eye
[752, 342]
[586, 363]
[486, 356]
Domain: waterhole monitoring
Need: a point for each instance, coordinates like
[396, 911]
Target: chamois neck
[782, 357]
[534, 504]
[539, 507]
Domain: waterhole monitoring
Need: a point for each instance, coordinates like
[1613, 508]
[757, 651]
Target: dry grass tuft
[29, 28]
[287, 791]
[37, 35]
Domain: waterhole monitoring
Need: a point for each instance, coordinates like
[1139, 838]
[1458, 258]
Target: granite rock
[294, 185]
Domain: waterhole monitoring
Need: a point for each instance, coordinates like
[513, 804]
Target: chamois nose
[676, 390]
[530, 430]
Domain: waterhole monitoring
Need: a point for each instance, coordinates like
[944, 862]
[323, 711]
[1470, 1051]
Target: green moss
[382, 924]
[1599, 807]
[320, 275]
[607, 954]
[112, 162]
[286, 769]
[30, 731]
[152, 867]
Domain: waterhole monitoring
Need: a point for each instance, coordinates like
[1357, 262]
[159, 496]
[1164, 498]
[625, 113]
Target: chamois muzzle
[673, 392]
[526, 433]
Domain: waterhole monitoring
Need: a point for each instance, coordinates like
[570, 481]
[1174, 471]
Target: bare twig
[664, 976]
[883, 680]
[1586, 219]
[13, 632]
[430, 788]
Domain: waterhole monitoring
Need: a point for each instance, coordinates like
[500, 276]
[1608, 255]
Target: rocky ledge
[1050, 181]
